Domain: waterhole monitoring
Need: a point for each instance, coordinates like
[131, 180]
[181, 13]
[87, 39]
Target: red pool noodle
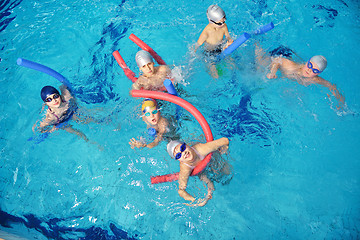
[145, 47]
[130, 74]
[198, 116]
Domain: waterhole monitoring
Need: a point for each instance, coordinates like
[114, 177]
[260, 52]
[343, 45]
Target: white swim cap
[171, 146]
[320, 61]
[215, 13]
[142, 58]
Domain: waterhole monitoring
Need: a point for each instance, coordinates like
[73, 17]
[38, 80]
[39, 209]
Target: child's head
[50, 96]
[145, 62]
[314, 66]
[151, 114]
[216, 15]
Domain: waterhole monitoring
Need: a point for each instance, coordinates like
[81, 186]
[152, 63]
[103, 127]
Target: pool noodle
[41, 68]
[244, 37]
[198, 116]
[263, 29]
[240, 40]
[146, 47]
[171, 89]
[130, 74]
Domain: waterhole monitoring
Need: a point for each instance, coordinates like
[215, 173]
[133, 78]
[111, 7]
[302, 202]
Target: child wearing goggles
[304, 73]
[213, 35]
[61, 108]
[190, 156]
[151, 115]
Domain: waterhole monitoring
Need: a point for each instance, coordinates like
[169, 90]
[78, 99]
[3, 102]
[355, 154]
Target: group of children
[62, 107]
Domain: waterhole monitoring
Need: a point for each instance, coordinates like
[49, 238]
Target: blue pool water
[295, 158]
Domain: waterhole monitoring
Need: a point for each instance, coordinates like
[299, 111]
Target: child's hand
[200, 202]
[228, 43]
[224, 149]
[136, 143]
[271, 76]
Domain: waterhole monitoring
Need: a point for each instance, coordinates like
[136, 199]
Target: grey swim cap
[320, 61]
[215, 13]
[171, 146]
[142, 58]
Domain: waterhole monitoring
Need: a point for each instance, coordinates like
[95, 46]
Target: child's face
[185, 153]
[152, 116]
[220, 23]
[148, 69]
[308, 72]
[54, 100]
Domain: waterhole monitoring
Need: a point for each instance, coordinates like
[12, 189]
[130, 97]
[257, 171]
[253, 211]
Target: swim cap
[148, 103]
[320, 61]
[215, 13]
[171, 147]
[142, 58]
[47, 91]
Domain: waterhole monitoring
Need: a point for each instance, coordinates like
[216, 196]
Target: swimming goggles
[218, 23]
[182, 149]
[310, 66]
[49, 99]
[147, 114]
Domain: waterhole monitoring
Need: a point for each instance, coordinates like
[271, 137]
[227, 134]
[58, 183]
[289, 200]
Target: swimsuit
[66, 115]
[214, 52]
[282, 51]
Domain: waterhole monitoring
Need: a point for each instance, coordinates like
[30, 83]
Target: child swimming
[153, 119]
[215, 31]
[153, 76]
[213, 35]
[304, 73]
[189, 157]
[61, 108]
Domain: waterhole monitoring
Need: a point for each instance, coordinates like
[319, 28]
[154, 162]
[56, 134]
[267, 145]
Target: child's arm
[184, 174]
[333, 89]
[274, 66]
[210, 187]
[202, 39]
[65, 93]
[80, 134]
[47, 125]
[137, 85]
[228, 37]
[221, 144]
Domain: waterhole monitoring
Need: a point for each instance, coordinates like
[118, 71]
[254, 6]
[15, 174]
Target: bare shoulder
[163, 123]
[163, 68]
[287, 63]
[65, 93]
[206, 31]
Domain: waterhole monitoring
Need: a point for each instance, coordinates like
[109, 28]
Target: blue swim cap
[47, 91]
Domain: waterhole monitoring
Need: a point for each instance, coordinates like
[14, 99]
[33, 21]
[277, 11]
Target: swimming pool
[295, 157]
